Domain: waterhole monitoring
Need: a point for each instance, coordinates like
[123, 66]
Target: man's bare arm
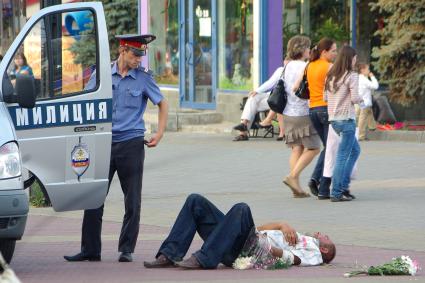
[276, 252]
[288, 232]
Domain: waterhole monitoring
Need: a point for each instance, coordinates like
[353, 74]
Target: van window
[60, 52]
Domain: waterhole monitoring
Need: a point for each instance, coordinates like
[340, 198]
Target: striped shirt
[341, 100]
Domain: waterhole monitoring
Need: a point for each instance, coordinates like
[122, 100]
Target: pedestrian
[364, 114]
[132, 87]
[300, 134]
[342, 92]
[224, 237]
[21, 66]
[257, 102]
[321, 58]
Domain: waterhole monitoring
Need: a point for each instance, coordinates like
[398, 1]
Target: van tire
[7, 247]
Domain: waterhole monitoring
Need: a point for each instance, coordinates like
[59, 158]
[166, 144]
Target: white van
[52, 127]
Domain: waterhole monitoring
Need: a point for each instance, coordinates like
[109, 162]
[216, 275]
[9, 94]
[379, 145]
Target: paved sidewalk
[385, 221]
[39, 259]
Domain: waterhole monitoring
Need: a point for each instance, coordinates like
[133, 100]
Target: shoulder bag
[303, 92]
[278, 96]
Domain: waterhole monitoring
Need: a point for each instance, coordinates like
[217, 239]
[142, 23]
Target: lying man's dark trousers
[224, 235]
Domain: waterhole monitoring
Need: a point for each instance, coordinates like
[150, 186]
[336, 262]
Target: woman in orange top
[321, 60]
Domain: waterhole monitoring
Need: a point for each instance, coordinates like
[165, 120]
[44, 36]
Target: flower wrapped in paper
[257, 254]
[402, 265]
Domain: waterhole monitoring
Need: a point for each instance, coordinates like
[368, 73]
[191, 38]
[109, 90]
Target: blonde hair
[296, 46]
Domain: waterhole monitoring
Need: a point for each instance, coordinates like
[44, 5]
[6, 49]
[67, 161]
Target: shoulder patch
[146, 70]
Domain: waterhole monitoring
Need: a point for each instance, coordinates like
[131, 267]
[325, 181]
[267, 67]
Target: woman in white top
[300, 134]
[364, 114]
[257, 102]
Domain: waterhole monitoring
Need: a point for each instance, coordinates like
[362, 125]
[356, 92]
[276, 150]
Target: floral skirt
[300, 131]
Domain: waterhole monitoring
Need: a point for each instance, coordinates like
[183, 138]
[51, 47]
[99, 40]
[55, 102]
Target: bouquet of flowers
[256, 254]
[402, 265]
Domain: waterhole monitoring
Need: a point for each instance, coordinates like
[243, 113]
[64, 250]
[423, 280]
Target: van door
[65, 139]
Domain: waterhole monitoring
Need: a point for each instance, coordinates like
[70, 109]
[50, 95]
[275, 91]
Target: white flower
[243, 263]
[347, 275]
[411, 265]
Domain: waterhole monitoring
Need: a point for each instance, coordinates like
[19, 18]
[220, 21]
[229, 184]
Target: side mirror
[25, 90]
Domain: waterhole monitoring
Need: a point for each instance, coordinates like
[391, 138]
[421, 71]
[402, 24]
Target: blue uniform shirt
[129, 100]
[130, 97]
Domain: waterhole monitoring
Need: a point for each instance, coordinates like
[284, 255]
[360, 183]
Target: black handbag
[303, 92]
[278, 96]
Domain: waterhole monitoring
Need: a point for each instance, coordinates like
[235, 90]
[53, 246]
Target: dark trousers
[320, 120]
[127, 160]
[224, 235]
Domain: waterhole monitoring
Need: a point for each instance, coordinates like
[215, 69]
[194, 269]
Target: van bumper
[14, 206]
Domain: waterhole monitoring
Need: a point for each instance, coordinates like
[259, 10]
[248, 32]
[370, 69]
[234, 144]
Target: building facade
[211, 48]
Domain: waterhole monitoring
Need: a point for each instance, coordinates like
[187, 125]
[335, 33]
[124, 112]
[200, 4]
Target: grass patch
[37, 198]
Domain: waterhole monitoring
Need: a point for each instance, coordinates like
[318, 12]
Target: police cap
[137, 43]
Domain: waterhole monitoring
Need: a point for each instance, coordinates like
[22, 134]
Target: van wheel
[7, 247]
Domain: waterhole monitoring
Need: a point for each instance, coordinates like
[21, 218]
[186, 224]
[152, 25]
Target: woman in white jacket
[367, 83]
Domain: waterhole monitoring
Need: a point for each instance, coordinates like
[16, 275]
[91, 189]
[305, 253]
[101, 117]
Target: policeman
[132, 86]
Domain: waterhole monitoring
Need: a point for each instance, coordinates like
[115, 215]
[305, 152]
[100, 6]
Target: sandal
[241, 138]
[296, 193]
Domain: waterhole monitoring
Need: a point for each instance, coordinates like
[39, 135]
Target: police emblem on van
[80, 159]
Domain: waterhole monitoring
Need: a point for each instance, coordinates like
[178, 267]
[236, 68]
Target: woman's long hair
[324, 44]
[341, 68]
[24, 59]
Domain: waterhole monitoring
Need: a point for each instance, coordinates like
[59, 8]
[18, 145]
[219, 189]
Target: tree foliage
[401, 56]
[121, 18]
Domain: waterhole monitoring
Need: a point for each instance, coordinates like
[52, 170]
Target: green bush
[37, 198]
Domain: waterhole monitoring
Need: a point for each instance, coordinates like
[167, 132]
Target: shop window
[164, 51]
[317, 19]
[235, 44]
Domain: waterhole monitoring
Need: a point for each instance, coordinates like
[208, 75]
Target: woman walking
[300, 134]
[342, 92]
[321, 59]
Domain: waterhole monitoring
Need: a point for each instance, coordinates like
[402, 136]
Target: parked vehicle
[54, 128]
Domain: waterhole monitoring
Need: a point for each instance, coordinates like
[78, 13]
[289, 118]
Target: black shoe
[348, 194]
[314, 187]
[323, 197]
[341, 198]
[241, 127]
[81, 257]
[125, 257]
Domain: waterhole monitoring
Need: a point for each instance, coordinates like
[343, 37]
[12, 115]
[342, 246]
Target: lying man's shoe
[161, 262]
[241, 127]
[190, 263]
[125, 257]
[341, 198]
[314, 187]
[81, 257]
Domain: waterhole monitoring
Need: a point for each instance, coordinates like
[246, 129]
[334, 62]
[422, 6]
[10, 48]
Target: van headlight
[10, 161]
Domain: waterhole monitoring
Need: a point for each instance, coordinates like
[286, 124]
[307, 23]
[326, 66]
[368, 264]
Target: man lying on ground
[224, 237]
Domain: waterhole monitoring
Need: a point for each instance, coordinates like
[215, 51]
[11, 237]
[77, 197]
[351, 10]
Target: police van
[54, 128]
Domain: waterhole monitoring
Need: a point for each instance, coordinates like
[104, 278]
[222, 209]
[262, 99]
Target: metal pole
[353, 23]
